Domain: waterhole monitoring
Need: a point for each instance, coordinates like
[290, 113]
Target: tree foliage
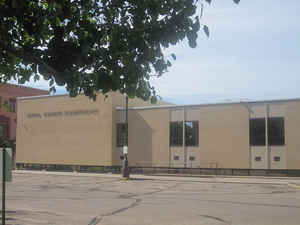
[94, 45]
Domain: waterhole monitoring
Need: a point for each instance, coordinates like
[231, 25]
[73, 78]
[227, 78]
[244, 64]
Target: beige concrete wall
[90, 139]
[292, 135]
[278, 151]
[267, 153]
[135, 123]
[119, 100]
[277, 110]
[79, 139]
[257, 110]
[177, 114]
[177, 152]
[223, 136]
[148, 141]
[261, 152]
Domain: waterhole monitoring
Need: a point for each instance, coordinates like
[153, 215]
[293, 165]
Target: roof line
[25, 87]
[41, 96]
[176, 106]
[211, 104]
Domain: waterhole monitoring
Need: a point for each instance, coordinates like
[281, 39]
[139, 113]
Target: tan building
[77, 131]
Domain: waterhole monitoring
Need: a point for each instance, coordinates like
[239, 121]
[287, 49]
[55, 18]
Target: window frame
[272, 139]
[122, 136]
[177, 139]
[12, 105]
[253, 137]
[195, 133]
[6, 130]
[176, 133]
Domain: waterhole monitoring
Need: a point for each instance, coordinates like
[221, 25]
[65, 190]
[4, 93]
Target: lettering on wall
[64, 113]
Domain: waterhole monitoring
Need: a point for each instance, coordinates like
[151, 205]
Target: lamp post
[3, 185]
[125, 168]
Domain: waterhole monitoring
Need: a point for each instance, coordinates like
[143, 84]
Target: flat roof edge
[41, 96]
[210, 104]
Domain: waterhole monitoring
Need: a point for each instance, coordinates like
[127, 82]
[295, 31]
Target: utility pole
[3, 183]
[125, 168]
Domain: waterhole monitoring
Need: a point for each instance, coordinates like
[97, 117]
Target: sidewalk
[290, 181]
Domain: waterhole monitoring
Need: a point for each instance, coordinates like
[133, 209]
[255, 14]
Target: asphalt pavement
[39, 197]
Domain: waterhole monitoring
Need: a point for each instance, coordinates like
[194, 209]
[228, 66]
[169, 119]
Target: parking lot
[93, 199]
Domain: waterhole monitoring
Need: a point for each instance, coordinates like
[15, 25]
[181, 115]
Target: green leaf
[173, 56]
[53, 90]
[153, 99]
[206, 30]
[36, 78]
[169, 63]
[114, 41]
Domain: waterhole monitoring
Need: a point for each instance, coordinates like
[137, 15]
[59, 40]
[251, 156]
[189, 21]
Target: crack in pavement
[96, 220]
[216, 218]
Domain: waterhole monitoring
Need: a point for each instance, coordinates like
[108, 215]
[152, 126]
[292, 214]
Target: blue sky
[252, 53]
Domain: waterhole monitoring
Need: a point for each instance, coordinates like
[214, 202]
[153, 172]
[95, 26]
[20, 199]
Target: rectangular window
[191, 133]
[12, 105]
[276, 131]
[257, 131]
[3, 130]
[176, 133]
[122, 136]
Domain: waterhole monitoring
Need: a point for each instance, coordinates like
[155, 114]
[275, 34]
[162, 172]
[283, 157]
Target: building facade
[8, 107]
[77, 131]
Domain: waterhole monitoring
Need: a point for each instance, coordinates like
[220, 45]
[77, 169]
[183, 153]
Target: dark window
[122, 135]
[176, 133]
[257, 131]
[176, 157]
[3, 130]
[276, 158]
[276, 131]
[191, 133]
[257, 158]
[12, 105]
[192, 158]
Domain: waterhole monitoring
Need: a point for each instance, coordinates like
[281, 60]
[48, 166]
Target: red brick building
[8, 107]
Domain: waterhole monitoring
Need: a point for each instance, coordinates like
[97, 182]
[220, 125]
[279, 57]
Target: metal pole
[125, 171]
[126, 113]
[183, 139]
[3, 185]
[267, 136]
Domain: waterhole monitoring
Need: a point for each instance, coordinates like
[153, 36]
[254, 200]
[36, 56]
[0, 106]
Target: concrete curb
[224, 176]
[223, 180]
[294, 185]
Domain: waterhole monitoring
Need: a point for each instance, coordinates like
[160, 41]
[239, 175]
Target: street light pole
[3, 183]
[125, 168]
